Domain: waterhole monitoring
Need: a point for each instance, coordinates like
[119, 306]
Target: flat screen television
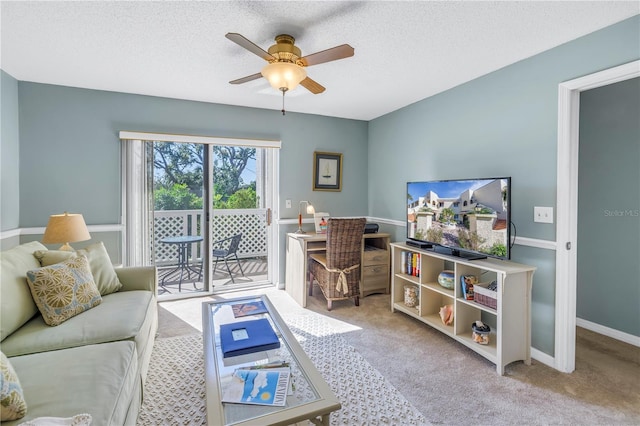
[468, 218]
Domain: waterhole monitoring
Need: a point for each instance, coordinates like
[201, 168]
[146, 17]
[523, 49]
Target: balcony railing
[251, 223]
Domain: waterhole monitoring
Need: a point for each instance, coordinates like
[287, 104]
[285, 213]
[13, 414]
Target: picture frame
[327, 171]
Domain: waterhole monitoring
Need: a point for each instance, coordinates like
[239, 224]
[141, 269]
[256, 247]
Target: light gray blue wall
[501, 124]
[71, 151]
[609, 206]
[9, 148]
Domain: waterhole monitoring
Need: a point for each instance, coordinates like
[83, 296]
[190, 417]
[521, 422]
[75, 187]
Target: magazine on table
[248, 308]
[259, 386]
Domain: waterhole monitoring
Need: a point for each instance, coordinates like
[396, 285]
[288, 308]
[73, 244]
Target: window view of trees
[178, 176]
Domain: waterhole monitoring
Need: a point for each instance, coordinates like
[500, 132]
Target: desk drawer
[375, 279]
[375, 271]
[375, 257]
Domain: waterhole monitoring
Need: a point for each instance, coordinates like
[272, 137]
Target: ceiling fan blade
[312, 86]
[335, 53]
[246, 79]
[249, 45]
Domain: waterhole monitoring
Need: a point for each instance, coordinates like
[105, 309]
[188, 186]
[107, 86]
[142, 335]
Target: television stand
[507, 311]
[419, 244]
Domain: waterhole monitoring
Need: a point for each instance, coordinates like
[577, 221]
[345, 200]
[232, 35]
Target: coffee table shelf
[312, 399]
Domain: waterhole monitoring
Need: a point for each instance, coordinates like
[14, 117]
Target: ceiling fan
[286, 65]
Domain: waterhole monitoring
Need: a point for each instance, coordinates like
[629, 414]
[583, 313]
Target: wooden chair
[338, 270]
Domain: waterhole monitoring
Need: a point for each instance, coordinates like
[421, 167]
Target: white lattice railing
[226, 223]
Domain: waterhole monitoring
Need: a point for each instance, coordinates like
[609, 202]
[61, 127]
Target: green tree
[182, 163]
[228, 164]
[178, 197]
[179, 172]
[178, 163]
[447, 215]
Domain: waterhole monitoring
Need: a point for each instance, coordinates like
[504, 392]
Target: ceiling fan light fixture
[284, 76]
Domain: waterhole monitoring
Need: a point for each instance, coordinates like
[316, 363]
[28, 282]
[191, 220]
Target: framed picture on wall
[327, 171]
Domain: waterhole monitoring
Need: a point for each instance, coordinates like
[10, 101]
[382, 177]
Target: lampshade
[65, 228]
[284, 75]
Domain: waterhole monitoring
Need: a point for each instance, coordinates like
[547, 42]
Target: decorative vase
[446, 279]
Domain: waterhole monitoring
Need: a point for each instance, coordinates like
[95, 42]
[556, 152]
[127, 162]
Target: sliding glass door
[200, 211]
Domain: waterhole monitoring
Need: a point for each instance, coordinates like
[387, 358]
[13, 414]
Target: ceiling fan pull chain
[283, 92]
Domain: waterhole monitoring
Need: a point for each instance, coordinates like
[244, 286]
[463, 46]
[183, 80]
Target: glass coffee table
[309, 398]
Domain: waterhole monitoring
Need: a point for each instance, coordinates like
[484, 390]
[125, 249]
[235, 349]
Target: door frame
[567, 204]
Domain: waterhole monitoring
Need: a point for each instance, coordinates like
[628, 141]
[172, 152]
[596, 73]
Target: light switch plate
[543, 214]
[287, 204]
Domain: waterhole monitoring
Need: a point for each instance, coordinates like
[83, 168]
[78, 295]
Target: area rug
[175, 391]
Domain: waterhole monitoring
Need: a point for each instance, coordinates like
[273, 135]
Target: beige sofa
[94, 362]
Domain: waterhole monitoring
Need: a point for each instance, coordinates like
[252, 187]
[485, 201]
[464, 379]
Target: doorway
[567, 205]
[198, 200]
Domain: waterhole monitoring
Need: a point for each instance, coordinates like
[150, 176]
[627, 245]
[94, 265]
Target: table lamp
[66, 228]
[310, 210]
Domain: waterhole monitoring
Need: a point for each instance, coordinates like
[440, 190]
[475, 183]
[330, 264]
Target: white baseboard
[609, 332]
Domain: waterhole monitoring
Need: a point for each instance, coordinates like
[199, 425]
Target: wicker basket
[484, 296]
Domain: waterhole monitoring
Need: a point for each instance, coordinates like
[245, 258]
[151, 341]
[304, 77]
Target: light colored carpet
[175, 393]
[450, 384]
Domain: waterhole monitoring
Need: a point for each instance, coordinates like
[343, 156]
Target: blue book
[245, 337]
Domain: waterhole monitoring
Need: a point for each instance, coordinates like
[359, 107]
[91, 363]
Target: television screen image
[469, 217]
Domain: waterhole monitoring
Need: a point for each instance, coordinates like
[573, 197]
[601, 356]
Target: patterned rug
[175, 392]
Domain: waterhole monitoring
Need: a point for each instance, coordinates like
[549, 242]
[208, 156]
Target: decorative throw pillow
[12, 403]
[63, 290]
[51, 257]
[102, 269]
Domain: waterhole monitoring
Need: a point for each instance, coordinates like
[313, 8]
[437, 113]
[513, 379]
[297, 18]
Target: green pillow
[12, 403]
[101, 267]
[63, 290]
[51, 257]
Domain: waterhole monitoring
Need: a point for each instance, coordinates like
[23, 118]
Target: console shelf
[510, 338]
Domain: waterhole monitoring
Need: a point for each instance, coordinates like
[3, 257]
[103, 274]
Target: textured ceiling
[404, 51]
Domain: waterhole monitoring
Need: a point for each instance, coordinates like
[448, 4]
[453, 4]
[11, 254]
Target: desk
[374, 270]
[183, 258]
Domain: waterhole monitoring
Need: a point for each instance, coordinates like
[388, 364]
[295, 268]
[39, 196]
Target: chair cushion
[63, 290]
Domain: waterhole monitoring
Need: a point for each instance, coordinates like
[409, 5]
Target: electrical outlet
[287, 204]
[543, 214]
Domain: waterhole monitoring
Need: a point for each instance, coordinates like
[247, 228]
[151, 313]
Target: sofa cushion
[100, 380]
[63, 290]
[120, 316]
[102, 269]
[12, 403]
[16, 304]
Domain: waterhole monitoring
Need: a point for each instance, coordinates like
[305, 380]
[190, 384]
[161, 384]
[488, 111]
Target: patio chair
[338, 270]
[227, 249]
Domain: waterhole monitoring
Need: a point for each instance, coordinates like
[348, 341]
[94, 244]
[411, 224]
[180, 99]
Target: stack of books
[410, 263]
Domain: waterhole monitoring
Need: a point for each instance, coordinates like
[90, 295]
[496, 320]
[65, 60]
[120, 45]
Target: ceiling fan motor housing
[284, 50]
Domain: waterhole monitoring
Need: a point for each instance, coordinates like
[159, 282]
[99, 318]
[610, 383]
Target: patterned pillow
[63, 290]
[12, 403]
